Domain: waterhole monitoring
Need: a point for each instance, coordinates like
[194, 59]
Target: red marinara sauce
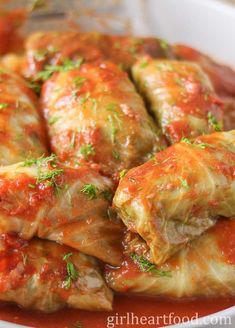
[138, 305]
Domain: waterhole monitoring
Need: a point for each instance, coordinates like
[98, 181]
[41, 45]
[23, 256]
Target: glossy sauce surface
[139, 306]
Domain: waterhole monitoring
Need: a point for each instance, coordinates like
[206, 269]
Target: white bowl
[208, 25]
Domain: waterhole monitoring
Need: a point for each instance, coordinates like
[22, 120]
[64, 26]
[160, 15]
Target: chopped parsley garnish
[213, 121]
[85, 98]
[94, 104]
[143, 63]
[40, 54]
[45, 176]
[112, 107]
[41, 160]
[179, 81]
[66, 66]
[186, 140]
[3, 105]
[122, 173]
[146, 266]
[184, 182]
[87, 150]
[90, 190]
[199, 145]
[114, 129]
[79, 81]
[52, 120]
[49, 176]
[72, 273]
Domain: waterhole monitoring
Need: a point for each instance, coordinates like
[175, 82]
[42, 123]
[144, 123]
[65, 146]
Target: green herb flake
[66, 66]
[146, 266]
[213, 122]
[179, 82]
[35, 86]
[111, 107]
[72, 273]
[184, 182]
[30, 185]
[143, 63]
[90, 190]
[78, 81]
[94, 104]
[87, 150]
[40, 54]
[122, 173]
[52, 120]
[49, 177]
[114, 129]
[116, 155]
[201, 145]
[3, 105]
[164, 45]
[85, 98]
[186, 140]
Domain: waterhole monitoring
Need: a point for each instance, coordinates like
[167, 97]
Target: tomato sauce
[139, 306]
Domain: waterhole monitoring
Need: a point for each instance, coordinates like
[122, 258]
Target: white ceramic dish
[208, 25]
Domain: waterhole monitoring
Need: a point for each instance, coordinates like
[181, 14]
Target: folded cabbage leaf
[205, 267]
[46, 276]
[180, 96]
[41, 198]
[222, 77]
[22, 133]
[94, 114]
[179, 194]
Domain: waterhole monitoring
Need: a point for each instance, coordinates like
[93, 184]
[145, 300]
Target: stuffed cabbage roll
[41, 198]
[21, 128]
[181, 97]
[94, 114]
[43, 48]
[179, 194]
[222, 77]
[206, 267]
[45, 276]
